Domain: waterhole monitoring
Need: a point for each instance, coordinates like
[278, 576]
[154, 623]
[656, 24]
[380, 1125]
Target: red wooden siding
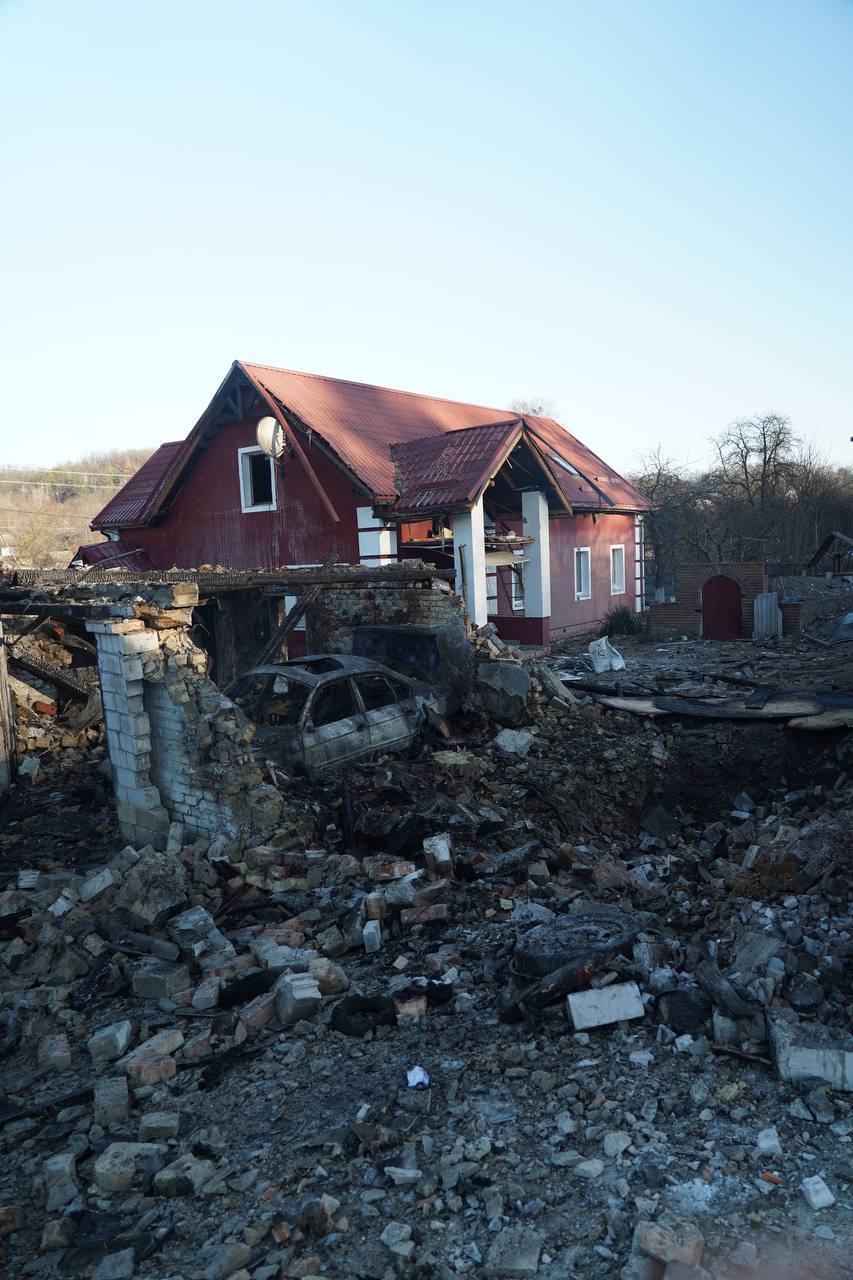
[207, 526]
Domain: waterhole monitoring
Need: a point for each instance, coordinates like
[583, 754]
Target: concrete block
[125, 1166]
[372, 935]
[116, 1266]
[97, 884]
[206, 994]
[817, 1193]
[60, 1180]
[675, 1241]
[258, 1013]
[139, 642]
[809, 1050]
[111, 1102]
[54, 1052]
[164, 1043]
[158, 979]
[109, 1043]
[155, 1071]
[297, 996]
[184, 1176]
[598, 1008]
[140, 797]
[158, 1126]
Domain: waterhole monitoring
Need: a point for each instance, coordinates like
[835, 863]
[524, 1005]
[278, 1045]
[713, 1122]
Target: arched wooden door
[721, 618]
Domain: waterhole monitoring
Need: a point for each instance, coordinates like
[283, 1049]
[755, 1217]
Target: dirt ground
[720, 850]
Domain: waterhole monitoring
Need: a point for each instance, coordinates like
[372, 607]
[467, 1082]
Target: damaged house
[543, 538]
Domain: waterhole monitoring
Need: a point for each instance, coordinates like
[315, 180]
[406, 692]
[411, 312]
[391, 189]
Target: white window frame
[615, 588]
[580, 594]
[244, 472]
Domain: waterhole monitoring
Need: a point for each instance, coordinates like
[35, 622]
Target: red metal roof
[360, 422]
[450, 470]
[366, 427]
[134, 500]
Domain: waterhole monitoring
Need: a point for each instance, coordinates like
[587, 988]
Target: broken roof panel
[115, 554]
[443, 472]
[135, 499]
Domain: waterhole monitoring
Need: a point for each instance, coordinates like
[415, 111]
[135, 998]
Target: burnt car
[330, 709]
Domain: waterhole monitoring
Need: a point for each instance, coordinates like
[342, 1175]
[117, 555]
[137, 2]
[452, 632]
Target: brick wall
[685, 615]
[332, 617]
[179, 750]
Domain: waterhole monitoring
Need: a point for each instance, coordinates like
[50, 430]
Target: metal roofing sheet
[450, 470]
[115, 554]
[361, 422]
[131, 504]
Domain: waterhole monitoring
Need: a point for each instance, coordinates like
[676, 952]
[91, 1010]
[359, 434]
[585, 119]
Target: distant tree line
[768, 495]
[45, 512]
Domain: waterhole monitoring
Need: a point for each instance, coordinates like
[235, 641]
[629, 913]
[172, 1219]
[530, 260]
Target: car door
[393, 714]
[335, 727]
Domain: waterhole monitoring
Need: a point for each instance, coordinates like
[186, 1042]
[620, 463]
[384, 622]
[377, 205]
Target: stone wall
[179, 750]
[338, 610]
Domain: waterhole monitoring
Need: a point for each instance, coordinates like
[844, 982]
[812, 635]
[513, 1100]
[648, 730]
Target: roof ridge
[374, 386]
[448, 437]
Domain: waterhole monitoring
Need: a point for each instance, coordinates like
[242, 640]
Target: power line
[65, 471]
[58, 484]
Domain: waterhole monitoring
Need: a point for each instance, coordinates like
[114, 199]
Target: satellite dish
[270, 437]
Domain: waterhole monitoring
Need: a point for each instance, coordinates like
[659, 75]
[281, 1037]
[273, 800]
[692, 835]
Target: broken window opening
[377, 692]
[334, 702]
[257, 480]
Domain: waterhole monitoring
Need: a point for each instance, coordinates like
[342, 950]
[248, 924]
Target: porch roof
[449, 472]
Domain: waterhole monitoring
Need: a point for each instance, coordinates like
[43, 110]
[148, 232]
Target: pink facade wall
[581, 531]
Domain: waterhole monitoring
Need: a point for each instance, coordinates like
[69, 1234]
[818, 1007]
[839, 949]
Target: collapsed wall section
[335, 614]
[179, 749]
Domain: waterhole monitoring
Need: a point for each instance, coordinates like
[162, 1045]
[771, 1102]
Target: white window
[583, 582]
[257, 480]
[617, 571]
[517, 582]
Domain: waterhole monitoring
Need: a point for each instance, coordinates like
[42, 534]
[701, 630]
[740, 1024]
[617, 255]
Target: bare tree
[771, 496]
[533, 406]
[754, 454]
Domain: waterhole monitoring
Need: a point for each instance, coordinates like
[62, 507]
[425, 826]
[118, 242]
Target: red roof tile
[134, 500]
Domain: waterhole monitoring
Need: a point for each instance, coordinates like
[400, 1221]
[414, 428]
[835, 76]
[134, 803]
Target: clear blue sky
[641, 210]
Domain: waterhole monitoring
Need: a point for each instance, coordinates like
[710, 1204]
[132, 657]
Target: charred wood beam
[52, 675]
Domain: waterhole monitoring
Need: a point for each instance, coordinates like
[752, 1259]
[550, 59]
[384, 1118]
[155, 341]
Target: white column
[469, 549]
[537, 570]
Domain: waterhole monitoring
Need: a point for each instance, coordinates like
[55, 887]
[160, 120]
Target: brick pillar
[122, 647]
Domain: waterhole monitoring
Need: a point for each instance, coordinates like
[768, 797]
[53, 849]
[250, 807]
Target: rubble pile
[570, 996]
[47, 719]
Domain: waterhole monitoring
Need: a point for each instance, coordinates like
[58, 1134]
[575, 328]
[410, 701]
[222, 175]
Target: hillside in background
[45, 512]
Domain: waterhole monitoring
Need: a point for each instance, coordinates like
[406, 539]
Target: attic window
[257, 480]
[567, 466]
